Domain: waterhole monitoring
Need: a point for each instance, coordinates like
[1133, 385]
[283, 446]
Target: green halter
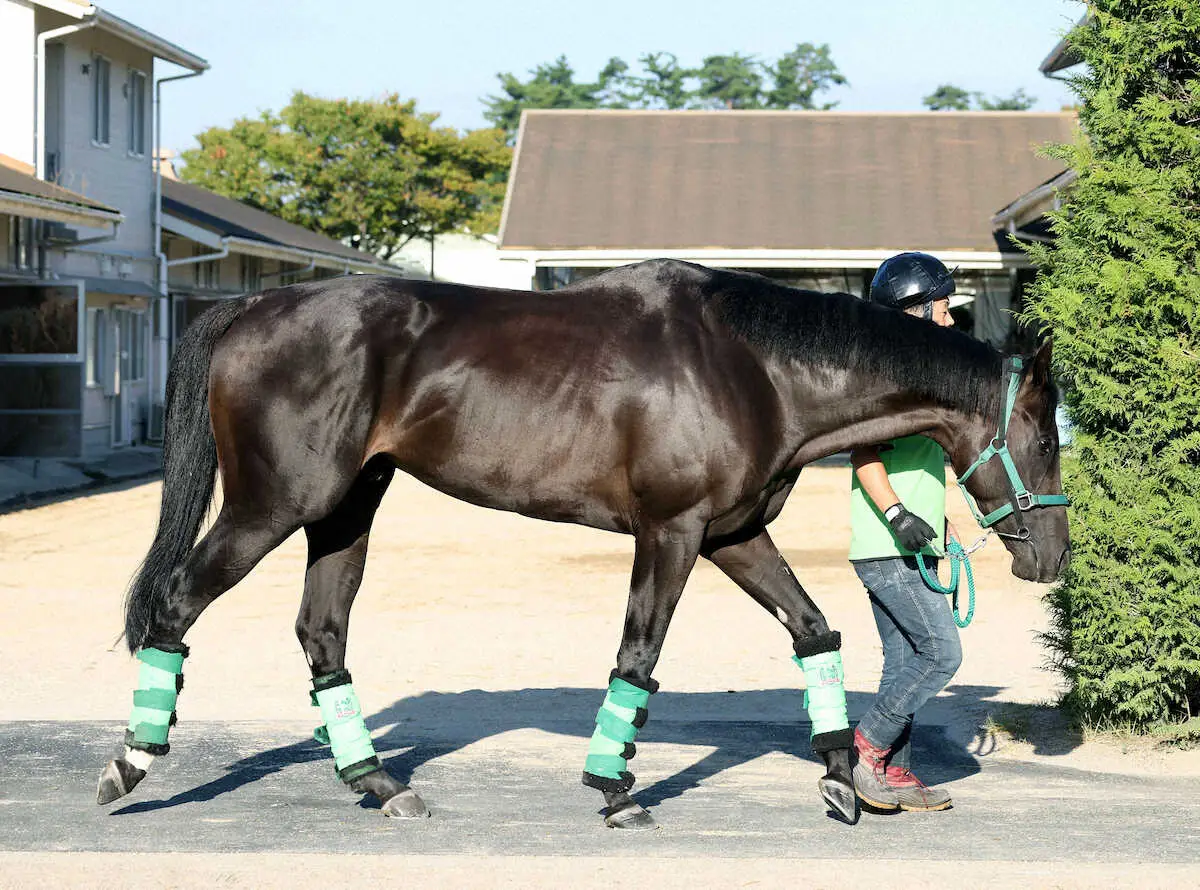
[1020, 499]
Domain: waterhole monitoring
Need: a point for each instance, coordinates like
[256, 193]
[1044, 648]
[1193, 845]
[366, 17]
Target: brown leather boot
[912, 794]
[870, 782]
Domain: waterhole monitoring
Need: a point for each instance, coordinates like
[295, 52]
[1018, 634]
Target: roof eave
[270, 251]
[1033, 203]
[152, 43]
[34, 207]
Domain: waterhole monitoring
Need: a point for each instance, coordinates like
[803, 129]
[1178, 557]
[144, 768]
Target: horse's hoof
[631, 818]
[406, 805]
[841, 799]
[118, 779]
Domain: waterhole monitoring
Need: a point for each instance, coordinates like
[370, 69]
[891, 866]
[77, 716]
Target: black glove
[911, 530]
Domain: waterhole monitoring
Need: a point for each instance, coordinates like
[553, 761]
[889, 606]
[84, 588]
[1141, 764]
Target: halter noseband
[1020, 498]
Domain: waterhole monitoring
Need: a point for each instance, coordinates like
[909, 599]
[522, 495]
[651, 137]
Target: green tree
[801, 74]
[948, 97]
[1120, 290]
[664, 86]
[375, 173]
[1018, 101]
[722, 81]
[730, 81]
[553, 85]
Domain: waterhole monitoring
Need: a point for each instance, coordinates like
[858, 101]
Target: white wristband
[893, 511]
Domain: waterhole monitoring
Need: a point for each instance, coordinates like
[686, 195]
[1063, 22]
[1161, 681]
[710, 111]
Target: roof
[798, 180]
[24, 194]
[230, 218]
[1063, 55]
[106, 21]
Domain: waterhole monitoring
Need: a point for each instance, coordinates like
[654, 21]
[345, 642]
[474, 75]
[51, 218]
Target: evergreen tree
[1120, 291]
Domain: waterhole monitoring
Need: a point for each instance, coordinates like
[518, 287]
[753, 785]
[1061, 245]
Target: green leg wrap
[345, 729]
[160, 678]
[611, 747]
[825, 697]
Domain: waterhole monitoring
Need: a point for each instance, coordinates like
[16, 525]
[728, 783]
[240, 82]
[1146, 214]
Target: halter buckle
[1024, 501]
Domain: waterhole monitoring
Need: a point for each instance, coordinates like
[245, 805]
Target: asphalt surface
[719, 788]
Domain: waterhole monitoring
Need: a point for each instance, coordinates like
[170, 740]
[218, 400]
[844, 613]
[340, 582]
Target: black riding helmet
[910, 279]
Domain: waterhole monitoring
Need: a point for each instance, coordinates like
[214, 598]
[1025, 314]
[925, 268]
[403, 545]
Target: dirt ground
[456, 598]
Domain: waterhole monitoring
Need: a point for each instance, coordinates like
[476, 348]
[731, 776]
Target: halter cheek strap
[1020, 498]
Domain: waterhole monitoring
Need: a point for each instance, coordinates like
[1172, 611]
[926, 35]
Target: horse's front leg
[337, 552]
[663, 558]
[758, 568]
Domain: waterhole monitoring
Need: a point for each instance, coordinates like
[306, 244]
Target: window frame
[97, 119]
[133, 96]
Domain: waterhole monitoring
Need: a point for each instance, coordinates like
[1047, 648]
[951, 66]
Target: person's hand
[911, 530]
[952, 532]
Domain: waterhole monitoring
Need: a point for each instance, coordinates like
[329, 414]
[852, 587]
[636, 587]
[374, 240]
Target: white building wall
[111, 174]
[18, 76]
[467, 259]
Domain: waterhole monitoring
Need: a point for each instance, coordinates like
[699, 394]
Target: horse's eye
[1045, 446]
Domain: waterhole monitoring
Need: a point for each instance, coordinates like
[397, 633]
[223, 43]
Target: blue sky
[446, 55]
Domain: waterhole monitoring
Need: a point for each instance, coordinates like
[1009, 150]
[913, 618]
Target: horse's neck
[866, 412]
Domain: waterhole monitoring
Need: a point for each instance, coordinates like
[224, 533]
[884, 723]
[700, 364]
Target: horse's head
[1009, 465]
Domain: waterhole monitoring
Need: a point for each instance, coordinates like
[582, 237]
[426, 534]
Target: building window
[97, 341]
[137, 113]
[22, 247]
[251, 274]
[207, 275]
[101, 110]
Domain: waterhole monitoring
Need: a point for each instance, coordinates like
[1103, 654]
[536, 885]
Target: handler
[898, 509]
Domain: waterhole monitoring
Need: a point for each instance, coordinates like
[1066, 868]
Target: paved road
[747, 791]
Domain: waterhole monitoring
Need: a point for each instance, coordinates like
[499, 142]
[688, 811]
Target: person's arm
[872, 476]
[911, 530]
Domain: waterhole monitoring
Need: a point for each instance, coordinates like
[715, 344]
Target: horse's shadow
[740, 726]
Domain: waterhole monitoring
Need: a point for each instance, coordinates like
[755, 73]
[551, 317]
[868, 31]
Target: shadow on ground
[739, 726]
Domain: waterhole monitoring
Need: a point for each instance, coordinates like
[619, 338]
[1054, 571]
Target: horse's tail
[189, 468]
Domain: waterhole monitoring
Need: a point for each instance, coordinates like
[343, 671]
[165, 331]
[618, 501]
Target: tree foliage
[374, 173]
[949, 97]
[720, 81]
[1120, 290]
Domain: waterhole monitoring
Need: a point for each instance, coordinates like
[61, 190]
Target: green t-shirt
[916, 468]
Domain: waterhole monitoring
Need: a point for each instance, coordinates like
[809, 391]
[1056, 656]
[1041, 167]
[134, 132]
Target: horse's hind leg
[663, 559]
[233, 546]
[337, 552]
[758, 568]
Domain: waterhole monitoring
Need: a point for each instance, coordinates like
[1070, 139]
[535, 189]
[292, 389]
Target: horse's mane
[841, 331]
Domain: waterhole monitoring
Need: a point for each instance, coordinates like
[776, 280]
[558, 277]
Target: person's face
[941, 313]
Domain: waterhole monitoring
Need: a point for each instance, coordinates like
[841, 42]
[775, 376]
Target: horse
[663, 400]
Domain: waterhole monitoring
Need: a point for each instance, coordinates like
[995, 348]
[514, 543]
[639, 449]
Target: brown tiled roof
[14, 178]
[230, 217]
[772, 180]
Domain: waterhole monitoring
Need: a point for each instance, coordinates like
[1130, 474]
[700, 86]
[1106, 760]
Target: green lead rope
[956, 554]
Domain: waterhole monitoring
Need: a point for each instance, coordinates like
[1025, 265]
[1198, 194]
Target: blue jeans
[921, 649]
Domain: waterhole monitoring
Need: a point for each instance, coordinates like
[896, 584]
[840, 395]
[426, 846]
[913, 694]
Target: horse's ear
[1039, 370]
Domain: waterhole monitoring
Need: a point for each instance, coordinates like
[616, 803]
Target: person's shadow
[740, 726]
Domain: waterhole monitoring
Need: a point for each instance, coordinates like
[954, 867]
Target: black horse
[663, 400]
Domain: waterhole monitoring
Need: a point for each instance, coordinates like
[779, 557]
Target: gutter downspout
[165, 328]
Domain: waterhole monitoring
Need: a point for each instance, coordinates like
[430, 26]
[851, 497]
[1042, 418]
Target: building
[815, 199]
[85, 317]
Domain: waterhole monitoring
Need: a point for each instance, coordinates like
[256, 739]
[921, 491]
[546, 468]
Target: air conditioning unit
[59, 232]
